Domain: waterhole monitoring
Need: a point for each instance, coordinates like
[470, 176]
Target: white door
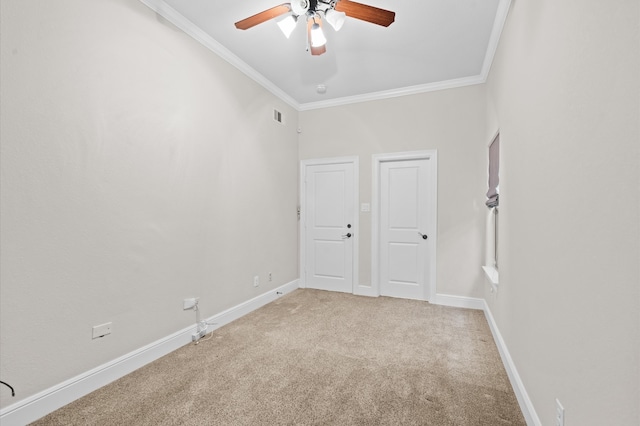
[405, 228]
[328, 213]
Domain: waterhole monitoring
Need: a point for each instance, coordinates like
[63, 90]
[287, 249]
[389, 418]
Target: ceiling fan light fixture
[299, 7]
[335, 18]
[314, 11]
[317, 36]
[287, 25]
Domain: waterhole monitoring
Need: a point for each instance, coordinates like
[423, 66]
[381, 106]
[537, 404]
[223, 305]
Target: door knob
[424, 237]
[348, 235]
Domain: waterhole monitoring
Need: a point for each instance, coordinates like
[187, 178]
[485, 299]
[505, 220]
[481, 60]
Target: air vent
[277, 116]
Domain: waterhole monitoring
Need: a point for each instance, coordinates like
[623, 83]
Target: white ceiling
[432, 44]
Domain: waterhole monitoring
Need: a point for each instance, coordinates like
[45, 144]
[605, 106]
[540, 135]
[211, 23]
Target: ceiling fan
[314, 11]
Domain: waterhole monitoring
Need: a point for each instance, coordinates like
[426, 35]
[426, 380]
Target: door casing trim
[377, 160]
[354, 160]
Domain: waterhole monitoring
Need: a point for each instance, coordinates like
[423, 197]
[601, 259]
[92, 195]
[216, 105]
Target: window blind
[494, 167]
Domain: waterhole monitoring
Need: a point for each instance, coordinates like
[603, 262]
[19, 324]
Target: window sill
[492, 274]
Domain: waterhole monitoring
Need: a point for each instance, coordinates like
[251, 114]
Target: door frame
[377, 160]
[354, 161]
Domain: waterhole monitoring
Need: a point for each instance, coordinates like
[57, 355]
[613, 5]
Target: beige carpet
[319, 358]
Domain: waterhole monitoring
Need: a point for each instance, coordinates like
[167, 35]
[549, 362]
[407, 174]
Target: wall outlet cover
[190, 303]
[101, 330]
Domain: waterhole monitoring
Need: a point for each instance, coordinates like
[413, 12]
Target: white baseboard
[528, 411]
[238, 311]
[43, 403]
[526, 405]
[458, 301]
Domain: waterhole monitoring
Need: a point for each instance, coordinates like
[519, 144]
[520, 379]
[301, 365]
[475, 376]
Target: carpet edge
[49, 400]
[526, 405]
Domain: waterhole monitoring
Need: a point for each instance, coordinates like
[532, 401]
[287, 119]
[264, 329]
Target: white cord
[195, 308]
[206, 338]
[199, 324]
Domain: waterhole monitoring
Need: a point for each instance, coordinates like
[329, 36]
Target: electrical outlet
[190, 303]
[101, 330]
[270, 277]
[559, 413]
[256, 281]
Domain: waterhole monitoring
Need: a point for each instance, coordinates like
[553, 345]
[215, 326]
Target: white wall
[138, 169]
[451, 121]
[564, 91]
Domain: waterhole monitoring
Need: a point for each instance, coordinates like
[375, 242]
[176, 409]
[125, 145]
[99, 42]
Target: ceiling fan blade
[315, 50]
[366, 13]
[263, 16]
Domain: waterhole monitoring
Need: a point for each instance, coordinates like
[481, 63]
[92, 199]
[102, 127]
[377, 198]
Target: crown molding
[494, 39]
[403, 91]
[177, 19]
